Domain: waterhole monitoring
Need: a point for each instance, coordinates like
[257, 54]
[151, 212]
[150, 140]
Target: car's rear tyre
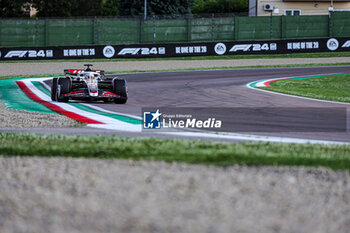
[119, 88]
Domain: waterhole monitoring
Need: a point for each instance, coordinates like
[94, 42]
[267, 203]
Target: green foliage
[131, 7]
[62, 8]
[219, 6]
[87, 8]
[53, 8]
[110, 8]
[13, 8]
[155, 7]
[170, 7]
[59, 8]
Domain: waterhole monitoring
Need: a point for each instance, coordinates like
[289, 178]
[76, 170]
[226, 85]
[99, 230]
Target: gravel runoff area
[31, 68]
[20, 119]
[87, 195]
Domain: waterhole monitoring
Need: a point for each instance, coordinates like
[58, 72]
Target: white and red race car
[91, 85]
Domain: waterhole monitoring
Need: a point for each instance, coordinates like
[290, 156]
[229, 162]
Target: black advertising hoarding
[176, 49]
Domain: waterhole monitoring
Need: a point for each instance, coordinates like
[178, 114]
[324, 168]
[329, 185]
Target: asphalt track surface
[212, 89]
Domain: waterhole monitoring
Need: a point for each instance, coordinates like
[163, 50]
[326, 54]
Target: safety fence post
[283, 27]
[46, 39]
[0, 32]
[212, 26]
[189, 28]
[140, 20]
[236, 27]
[94, 27]
[271, 25]
[36, 32]
[330, 24]
[154, 29]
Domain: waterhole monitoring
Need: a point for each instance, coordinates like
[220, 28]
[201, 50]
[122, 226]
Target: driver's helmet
[90, 77]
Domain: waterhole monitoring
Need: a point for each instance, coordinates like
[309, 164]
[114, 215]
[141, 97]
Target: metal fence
[84, 31]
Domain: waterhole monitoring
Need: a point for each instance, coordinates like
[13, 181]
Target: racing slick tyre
[65, 85]
[60, 86]
[54, 89]
[119, 88]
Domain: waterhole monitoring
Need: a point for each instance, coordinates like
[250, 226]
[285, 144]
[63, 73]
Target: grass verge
[336, 157]
[262, 56]
[333, 88]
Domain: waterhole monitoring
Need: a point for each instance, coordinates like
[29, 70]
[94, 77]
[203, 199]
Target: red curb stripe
[267, 84]
[54, 107]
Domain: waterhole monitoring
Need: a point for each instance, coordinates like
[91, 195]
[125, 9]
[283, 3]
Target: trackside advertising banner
[176, 49]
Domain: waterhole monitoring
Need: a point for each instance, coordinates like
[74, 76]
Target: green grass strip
[170, 150]
[88, 109]
[327, 87]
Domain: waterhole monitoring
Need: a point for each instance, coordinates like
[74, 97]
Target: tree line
[75, 8]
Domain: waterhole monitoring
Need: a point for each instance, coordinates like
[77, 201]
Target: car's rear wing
[76, 72]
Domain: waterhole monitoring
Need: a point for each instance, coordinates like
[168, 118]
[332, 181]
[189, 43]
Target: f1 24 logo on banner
[29, 53]
[254, 47]
[142, 51]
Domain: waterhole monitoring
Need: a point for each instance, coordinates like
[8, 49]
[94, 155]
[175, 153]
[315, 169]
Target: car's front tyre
[54, 88]
[60, 86]
[120, 88]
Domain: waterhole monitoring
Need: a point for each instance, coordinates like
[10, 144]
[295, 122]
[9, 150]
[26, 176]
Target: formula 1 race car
[90, 85]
